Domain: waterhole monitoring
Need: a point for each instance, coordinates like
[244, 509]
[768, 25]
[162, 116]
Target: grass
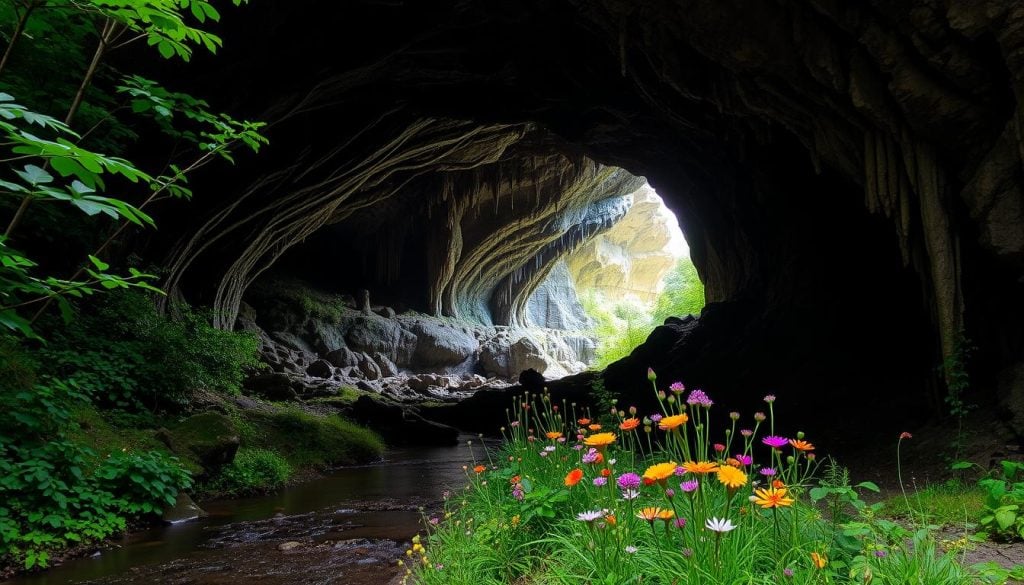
[953, 503]
[309, 440]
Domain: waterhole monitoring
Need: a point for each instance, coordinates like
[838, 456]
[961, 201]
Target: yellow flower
[731, 477]
[599, 440]
[772, 498]
[666, 514]
[819, 560]
[651, 514]
[700, 467]
[660, 471]
[670, 422]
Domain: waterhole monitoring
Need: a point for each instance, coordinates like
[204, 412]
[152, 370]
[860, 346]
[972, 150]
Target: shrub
[1003, 517]
[311, 440]
[125, 355]
[253, 471]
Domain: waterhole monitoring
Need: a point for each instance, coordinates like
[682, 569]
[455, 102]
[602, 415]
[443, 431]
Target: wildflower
[515, 521]
[629, 424]
[687, 552]
[775, 442]
[631, 549]
[810, 457]
[906, 435]
[610, 518]
[594, 427]
[651, 514]
[700, 467]
[628, 481]
[768, 471]
[744, 459]
[435, 521]
[543, 453]
[550, 448]
[734, 415]
[777, 484]
[514, 424]
[769, 398]
[660, 471]
[589, 516]
[670, 422]
[553, 435]
[577, 447]
[606, 472]
[880, 553]
[438, 567]
[480, 469]
[772, 498]
[698, 397]
[719, 448]
[759, 417]
[600, 481]
[819, 560]
[600, 440]
[651, 376]
[731, 477]
[584, 421]
[787, 572]
[666, 515]
[747, 433]
[801, 445]
[655, 418]
[719, 525]
[630, 494]
[677, 387]
[573, 477]
[690, 486]
[592, 456]
[517, 492]
[680, 522]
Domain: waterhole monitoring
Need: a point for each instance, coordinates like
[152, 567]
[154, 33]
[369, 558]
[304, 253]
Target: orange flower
[480, 469]
[600, 440]
[629, 424]
[606, 472]
[554, 435]
[731, 477]
[594, 427]
[666, 514]
[700, 467]
[573, 477]
[651, 514]
[734, 462]
[610, 519]
[777, 484]
[584, 421]
[772, 498]
[670, 422]
[801, 445]
[819, 560]
[515, 479]
[660, 471]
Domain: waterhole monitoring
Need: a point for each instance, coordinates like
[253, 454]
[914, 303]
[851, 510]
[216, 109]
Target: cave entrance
[618, 285]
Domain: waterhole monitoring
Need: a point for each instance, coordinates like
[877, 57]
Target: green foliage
[253, 471]
[120, 349]
[1002, 516]
[55, 491]
[309, 440]
[951, 503]
[623, 324]
[958, 383]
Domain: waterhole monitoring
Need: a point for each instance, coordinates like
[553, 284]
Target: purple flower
[517, 493]
[439, 566]
[680, 522]
[543, 453]
[689, 486]
[629, 481]
[577, 447]
[514, 424]
[600, 481]
[769, 398]
[589, 516]
[590, 456]
[655, 418]
[747, 432]
[768, 471]
[677, 387]
[744, 459]
[670, 493]
[880, 553]
[687, 552]
[435, 521]
[698, 397]
[787, 572]
[679, 472]
[775, 442]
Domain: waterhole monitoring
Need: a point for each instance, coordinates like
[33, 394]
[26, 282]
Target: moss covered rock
[209, 439]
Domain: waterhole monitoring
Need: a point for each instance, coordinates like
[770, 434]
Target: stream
[349, 526]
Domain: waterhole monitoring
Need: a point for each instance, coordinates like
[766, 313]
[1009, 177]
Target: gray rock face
[342, 358]
[441, 345]
[320, 369]
[369, 368]
[555, 304]
[505, 358]
[372, 333]
[386, 366]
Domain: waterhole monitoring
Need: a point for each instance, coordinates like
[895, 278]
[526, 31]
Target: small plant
[1003, 517]
[958, 382]
[253, 471]
[146, 482]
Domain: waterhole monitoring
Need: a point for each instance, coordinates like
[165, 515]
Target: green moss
[298, 294]
[951, 503]
[308, 440]
[345, 397]
[253, 471]
[107, 432]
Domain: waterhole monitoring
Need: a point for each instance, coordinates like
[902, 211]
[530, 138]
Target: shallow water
[348, 524]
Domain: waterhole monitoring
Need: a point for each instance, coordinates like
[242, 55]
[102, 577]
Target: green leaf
[869, 485]
[962, 465]
[99, 264]
[35, 175]
[1005, 517]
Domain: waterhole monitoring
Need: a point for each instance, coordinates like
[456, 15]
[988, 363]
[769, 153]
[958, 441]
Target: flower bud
[651, 376]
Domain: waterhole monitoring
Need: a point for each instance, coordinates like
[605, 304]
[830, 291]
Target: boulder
[372, 333]
[342, 357]
[272, 386]
[323, 337]
[386, 366]
[320, 369]
[368, 367]
[208, 438]
[440, 345]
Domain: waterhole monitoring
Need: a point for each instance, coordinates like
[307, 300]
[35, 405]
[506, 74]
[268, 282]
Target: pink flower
[719, 447]
[906, 435]
[677, 387]
[775, 442]
[744, 459]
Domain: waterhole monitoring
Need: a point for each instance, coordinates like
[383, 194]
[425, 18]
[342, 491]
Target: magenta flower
[679, 472]
[629, 481]
[775, 442]
[787, 572]
[698, 397]
[767, 471]
[719, 447]
[600, 481]
[590, 456]
[677, 387]
[680, 522]
[517, 493]
[670, 493]
[744, 459]
[689, 486]
[769, 398]
[655, 418]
